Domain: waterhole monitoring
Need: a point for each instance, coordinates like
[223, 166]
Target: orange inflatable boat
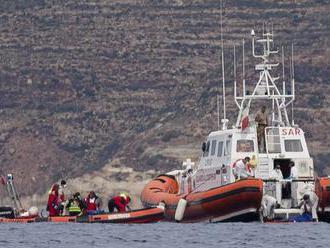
[238, 201]
[146, 215]
[322, 189]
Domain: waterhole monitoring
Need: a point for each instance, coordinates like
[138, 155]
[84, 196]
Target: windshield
[245, 145]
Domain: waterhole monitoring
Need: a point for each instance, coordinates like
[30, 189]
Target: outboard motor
[7, 212]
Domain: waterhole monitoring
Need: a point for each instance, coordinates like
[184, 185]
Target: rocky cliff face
[95, 85]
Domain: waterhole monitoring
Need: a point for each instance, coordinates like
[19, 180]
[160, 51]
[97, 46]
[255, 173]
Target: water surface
[165, 235]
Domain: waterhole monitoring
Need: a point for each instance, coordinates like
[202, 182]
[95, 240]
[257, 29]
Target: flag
[3, 180]
[245, 119]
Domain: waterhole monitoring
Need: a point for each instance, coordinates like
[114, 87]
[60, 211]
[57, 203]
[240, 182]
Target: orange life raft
[235, 201]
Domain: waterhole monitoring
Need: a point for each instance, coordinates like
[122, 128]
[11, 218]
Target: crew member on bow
[120, 203]
[242, 169]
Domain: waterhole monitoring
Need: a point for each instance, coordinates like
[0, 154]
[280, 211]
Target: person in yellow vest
[253, 164]
[76, 206]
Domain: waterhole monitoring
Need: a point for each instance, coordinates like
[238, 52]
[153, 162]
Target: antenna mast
[287, 122]
[293, 85]
[283, 76]
[218, 110]
[224, 120]
[243, 45]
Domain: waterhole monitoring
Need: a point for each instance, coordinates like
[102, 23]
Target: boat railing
[290, 180]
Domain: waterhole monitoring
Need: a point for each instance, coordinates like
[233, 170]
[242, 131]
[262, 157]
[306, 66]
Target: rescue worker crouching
[268, 204]
[242, 169]
[308, 206]
[120, 203]
[76, 206]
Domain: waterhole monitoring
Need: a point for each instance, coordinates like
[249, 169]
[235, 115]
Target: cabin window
[227, 148]
[220, 147]
[206, 152]
[244, 145]
[293, 145]
[213, 147]
[273, 140]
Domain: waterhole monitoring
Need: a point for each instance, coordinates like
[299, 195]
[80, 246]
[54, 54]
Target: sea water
[165, 235]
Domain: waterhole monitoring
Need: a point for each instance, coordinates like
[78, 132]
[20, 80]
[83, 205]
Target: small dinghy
[146, 215]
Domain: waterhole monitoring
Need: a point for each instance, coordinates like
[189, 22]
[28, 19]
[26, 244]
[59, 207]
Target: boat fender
[180, 209]
[161, 205]
[33, 211]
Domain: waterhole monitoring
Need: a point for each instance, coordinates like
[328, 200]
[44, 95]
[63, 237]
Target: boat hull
[238, 201]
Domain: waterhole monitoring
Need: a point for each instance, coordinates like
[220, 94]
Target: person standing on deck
[277, 173]
[291, 187]
[63, 194]
[61, 191]
[262, 120]
[53, 206]
[293, 171]
[278, 176]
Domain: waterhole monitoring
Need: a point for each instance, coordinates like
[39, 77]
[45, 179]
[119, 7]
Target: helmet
[125, 196]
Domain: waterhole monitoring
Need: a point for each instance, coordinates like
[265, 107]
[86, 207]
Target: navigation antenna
[266, 88]
[224, 121]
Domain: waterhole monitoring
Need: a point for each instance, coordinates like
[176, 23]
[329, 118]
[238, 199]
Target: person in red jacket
[120, 203]
[92, 202]
[53, 205]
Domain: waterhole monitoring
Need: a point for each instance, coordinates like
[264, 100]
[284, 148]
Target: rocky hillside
[88, 86]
